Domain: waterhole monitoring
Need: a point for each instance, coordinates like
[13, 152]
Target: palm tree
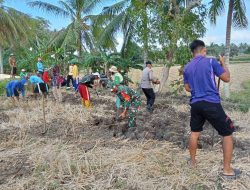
[77, 33]
[129, 17]
[236, 15]
[14, 25]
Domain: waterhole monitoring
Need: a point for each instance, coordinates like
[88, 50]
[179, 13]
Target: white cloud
[237, 37]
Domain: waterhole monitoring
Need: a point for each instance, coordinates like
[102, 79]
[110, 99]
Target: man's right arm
[225, 77]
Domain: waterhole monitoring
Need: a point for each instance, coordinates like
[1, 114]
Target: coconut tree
[77, 33]
[15, 27]
[131, 18]
[236, 16]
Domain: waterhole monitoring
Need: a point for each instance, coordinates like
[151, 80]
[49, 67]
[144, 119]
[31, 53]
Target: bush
[3, 85]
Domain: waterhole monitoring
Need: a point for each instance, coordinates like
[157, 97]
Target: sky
[214, 34]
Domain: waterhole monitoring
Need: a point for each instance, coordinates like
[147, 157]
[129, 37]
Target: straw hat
[113, 69]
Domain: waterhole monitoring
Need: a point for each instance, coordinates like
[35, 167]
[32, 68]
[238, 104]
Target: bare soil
[79, 150]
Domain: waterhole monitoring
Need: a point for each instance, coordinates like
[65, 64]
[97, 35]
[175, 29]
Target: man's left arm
[186, 83]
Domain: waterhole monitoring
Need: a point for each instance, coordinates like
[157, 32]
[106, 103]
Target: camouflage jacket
[128, 96]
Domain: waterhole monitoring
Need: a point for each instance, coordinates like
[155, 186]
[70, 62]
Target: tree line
[159, 30]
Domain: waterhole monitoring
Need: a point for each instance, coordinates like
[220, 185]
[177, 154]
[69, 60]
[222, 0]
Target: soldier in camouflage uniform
[130, 100]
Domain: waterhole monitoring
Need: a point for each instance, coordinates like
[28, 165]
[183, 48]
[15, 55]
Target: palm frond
[115, 8]
[217, 7]
[112, 28]
[89, 5]
[50, 8]
[239, 14]
[68, 8]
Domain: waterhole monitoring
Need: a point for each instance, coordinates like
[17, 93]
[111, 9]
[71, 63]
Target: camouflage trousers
[132, 112]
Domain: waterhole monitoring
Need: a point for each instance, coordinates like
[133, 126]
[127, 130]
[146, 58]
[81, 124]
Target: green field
[242, 58]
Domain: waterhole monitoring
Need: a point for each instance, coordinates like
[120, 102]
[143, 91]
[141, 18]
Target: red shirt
[46, 78]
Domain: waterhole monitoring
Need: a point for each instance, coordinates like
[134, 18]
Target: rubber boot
[87, 104]
[83, 103]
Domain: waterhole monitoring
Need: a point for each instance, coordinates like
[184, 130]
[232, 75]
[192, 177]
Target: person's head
[198, 47]
[39, 59]
[97, 75]
[149, 64]
[12, 55]
[113, 70]
[23, 70]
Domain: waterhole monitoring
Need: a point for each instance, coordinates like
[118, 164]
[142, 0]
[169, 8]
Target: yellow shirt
[75, 71]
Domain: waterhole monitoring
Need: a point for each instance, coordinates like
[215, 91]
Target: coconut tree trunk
[228, 40]
[1, 60]
[79, 43]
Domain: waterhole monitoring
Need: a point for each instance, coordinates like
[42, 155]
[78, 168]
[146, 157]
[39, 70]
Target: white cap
[23, 70]
[96, 74]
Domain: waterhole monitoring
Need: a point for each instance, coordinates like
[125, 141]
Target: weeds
[242, 98]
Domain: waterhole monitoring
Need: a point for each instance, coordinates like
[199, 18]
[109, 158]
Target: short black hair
[148, 62]
[196, 44]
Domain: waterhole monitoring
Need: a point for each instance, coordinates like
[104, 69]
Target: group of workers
[199, 80]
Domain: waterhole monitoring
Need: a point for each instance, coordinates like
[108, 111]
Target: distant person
[23, 74]
[70, 76]
[40, 87]
[86, 82]
[46, 77]
[117, 78]
[40, 66]
[57, 81]
[14, 87]
[199, 80]
[12, 63]
[147, 82]
[75, 76]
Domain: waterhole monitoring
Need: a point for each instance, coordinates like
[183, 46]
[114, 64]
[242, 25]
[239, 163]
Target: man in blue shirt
[40, 66]
[13, 87]
[199, 80]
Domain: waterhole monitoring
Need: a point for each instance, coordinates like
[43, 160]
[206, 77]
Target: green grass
[242, 98]
[243, 58]
[3, 85]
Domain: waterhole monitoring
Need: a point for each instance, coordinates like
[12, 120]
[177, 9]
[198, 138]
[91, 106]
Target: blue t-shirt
[35, 80]
[200, 75]
[16, 85]
[39, 66]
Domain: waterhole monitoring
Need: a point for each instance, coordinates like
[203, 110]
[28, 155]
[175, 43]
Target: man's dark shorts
[214, 114]
[14, 70]
[43, 88]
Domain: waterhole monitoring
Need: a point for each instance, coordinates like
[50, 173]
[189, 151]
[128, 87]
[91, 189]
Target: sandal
[236, 175]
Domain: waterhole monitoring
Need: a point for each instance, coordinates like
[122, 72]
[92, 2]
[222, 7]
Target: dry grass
[239, 73]
[77, 154]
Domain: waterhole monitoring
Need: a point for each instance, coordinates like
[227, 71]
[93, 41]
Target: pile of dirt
[166, 123]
